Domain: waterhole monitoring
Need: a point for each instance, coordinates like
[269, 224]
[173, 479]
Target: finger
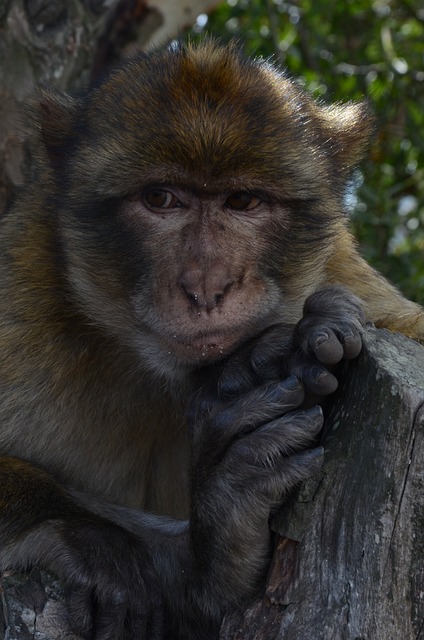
[260, 405]
[291, 472]
[262, 359]
[109, 621]
[318, 380]
[265, 446]
[237, 377]
[325, 345]
[269, 352]
[351, 341]
[79, 605]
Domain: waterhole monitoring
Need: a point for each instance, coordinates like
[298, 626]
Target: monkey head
[198, 192]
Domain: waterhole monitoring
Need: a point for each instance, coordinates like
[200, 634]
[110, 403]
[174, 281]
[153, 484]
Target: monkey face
[202, 193]
[207, 291]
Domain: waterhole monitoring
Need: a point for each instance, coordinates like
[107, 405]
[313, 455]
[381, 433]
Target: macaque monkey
[176, 279]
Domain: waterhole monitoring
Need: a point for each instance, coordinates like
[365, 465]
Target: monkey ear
[348, 129]
[57, 117]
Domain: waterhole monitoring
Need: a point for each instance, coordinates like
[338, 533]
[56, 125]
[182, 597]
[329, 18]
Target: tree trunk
[351, 563]
[66, 43]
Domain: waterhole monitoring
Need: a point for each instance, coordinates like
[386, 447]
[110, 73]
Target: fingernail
[291, 383]
[318, 372]
[314, 412]
[321, 337]
[317, 453]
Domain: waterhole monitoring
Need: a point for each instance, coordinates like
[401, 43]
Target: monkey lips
[206, 346]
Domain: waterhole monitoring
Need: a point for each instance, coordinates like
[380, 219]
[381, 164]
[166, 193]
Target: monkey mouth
[204, 347]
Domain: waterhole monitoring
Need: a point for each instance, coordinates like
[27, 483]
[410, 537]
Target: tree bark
[67, 43]
[350, 564]
[34, 608]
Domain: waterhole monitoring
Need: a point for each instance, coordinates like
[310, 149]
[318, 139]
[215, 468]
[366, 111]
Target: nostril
[218, 299]
[197, 300]
[194, 298]
[220, 295]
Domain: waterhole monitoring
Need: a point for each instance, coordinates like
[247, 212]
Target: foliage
[348, 50]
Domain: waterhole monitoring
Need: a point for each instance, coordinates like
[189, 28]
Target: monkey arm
[248, 451]
[245, 458]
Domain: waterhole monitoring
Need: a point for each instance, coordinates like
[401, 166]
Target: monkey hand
[110, 583]
[331, 330]
[248, 453]
[112, 588]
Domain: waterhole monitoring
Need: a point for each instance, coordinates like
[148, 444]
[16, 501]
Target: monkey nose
[205, 292]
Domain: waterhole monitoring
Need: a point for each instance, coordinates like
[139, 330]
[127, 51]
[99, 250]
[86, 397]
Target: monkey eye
[156, 198]
[242, 201]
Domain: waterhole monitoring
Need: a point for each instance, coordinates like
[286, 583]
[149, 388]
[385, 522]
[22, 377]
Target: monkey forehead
[209, 111]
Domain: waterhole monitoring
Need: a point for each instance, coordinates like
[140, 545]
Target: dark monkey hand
[247, 454]
[331, 330]
[112, 585]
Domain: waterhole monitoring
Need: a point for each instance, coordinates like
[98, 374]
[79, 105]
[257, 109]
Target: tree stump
[350, 562]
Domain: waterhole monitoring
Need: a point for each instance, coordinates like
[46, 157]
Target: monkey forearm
[198, 585]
